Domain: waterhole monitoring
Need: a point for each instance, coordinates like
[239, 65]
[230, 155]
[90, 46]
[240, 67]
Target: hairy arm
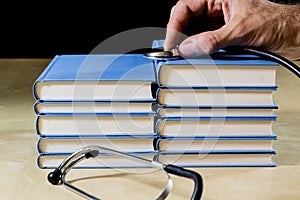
[260, 23]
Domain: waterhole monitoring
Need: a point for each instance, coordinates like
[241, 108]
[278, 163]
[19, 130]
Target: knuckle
[209, 42]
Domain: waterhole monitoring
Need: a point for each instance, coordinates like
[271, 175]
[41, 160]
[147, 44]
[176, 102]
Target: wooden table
[22, 179]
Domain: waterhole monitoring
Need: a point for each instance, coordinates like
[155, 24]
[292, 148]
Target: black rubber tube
[198, 182]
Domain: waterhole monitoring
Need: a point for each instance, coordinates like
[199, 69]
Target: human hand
[221, 23]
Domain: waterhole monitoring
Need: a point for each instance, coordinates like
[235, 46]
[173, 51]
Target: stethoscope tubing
[58, 176]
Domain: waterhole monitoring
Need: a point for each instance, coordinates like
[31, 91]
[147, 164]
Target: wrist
[290, 29]
[293, 31]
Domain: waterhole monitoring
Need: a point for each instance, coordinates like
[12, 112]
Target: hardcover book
[215, 126]
[203, 72]
[139, 124]
[232, 111]
[219, 159]
[96, 108]
[216, 97]
[67, 145]
[220, 69]
[98, 77]
[215, 144]
[103, 160]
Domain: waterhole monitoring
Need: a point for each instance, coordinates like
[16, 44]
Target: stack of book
[213, 110]
[106, 100]
[216, 110]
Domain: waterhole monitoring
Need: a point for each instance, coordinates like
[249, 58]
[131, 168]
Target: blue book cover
[158, 44]
[96, 77]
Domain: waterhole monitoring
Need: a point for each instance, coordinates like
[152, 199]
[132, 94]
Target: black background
[46, 28]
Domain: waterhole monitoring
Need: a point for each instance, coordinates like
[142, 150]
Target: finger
[179, 18]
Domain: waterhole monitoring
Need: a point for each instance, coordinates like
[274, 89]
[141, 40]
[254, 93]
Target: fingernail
[188, 49]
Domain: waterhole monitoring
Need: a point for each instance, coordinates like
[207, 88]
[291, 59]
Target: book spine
[35, 108]
[42, 76]
[38, 145]
[37, 124]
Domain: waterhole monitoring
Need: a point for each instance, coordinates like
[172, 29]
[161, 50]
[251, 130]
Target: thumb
[205, 42]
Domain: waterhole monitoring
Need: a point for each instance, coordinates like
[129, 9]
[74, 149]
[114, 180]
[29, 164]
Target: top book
[222, 69]
[97, 77]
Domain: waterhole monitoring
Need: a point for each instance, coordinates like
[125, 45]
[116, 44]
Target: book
[138, 124]
[233, 111]
[216, 97]
[221, 72]
[135, 105]
[85, 107]
[220, 159]
[215, 127]
[67, 145]
[103, 160]
[215, 144]
[221, 69]
[97, 77]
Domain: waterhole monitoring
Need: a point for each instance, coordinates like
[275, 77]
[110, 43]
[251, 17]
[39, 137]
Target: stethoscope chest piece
[163, 55]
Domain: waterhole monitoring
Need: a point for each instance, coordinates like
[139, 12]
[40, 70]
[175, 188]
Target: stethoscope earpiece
[55, 176]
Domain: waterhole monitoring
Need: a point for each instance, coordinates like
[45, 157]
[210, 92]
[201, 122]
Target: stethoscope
[58, 176]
